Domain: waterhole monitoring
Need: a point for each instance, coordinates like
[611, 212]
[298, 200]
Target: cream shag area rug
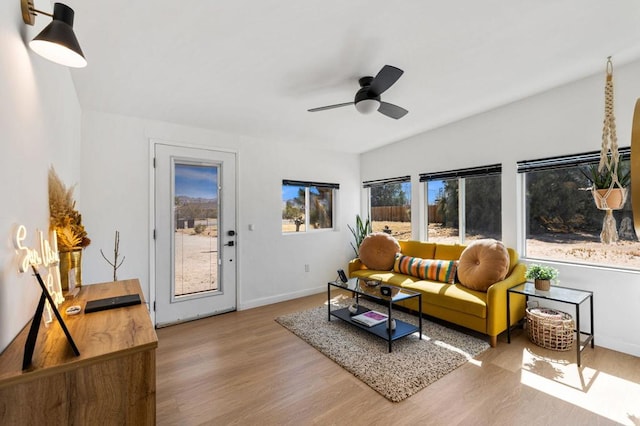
[413, 365]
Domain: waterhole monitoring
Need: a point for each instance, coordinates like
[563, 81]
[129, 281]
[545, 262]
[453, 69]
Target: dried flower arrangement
[64, 218]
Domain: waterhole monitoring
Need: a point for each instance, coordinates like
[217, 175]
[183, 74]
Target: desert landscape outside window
[307, 206]
[293, 208]
[390, 204]
[320, 207]
[196, 207]
[561, 219]
[464, 204]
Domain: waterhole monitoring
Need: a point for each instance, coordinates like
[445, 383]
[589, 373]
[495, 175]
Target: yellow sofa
[476, 310]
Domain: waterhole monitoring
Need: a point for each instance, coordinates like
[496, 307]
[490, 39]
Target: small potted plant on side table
[541, 275]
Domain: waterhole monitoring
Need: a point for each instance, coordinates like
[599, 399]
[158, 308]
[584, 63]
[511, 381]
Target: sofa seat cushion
[451, 296]
[386, 277]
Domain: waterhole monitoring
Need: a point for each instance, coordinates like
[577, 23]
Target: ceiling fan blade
[387, 76]
[330, 107]
[391, 110]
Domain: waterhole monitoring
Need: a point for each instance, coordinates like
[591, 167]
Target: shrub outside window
[390, 206]
[307, 206]
[483, 207]
[562, 222]
[464, 204]
[320, 207]
[442, 211]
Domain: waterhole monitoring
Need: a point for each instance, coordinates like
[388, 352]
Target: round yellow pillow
[378, 251]
[483, 263]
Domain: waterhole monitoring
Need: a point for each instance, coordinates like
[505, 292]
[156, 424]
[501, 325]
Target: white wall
[116, 186]
[40, 126]
[565, 120]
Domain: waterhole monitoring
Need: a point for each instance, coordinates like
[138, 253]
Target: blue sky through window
[434, 188]
[289, 192]
[196, 181]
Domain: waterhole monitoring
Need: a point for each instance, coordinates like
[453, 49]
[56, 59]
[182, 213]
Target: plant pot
[70, 262]
[614, 201]
[543, 285]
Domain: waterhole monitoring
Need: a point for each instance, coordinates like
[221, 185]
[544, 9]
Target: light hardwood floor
[243, 368]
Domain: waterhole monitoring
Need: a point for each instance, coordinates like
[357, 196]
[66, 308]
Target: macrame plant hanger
[609, 159]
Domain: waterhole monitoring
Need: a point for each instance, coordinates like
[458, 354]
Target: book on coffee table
[370, 318]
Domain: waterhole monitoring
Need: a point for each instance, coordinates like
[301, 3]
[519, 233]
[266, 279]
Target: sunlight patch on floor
[338, 300]
[601, 393]
[475, 362]
[453, 349]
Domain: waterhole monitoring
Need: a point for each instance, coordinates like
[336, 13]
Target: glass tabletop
[372, 288]
[561, 294]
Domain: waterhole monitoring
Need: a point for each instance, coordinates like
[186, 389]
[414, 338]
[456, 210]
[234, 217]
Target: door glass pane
[442, 215]
[195, 229]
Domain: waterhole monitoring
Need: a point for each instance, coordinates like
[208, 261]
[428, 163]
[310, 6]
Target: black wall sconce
[56, 42]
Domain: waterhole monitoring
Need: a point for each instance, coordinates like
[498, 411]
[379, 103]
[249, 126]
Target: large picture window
[390, 204]
[464, 204]
[307, 205]
[562, 221]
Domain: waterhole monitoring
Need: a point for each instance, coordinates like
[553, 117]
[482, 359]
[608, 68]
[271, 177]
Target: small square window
[307, 206]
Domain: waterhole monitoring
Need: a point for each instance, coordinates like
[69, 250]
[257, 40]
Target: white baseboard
[254, 303]
[616, 345]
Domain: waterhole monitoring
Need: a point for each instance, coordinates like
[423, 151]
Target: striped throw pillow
[429, 269]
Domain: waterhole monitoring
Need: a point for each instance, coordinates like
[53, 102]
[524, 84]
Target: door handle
[230, 244]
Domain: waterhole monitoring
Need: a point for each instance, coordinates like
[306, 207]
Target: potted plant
[541, 275]
[606, 194]
[66, 221]
[361, 230]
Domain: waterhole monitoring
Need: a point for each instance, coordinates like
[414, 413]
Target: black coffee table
[359, 288]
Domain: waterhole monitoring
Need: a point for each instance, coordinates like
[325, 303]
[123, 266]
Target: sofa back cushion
[420, 249]
[429, 269]
[448, 251]
[513, 259]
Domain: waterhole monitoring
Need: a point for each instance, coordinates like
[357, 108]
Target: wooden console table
[113, 381]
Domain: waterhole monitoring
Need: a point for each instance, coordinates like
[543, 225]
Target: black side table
[558, 294]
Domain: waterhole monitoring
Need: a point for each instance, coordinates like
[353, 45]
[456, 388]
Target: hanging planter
[610, 199]
[608, 182]
[606, 195]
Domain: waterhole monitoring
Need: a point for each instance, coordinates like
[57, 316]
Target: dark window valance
[494, 169]
[380, 182]
[565, 161]
[308, 183]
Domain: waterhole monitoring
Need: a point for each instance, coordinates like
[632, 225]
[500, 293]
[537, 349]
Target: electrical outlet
[306, 267]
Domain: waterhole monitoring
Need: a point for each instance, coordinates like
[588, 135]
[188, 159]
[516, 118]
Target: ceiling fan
[367, 98]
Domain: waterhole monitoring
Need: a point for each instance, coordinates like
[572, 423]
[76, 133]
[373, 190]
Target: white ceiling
[254, 67]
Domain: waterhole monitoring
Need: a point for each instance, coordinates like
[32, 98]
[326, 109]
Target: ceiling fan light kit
[367, 99]
[367, 106]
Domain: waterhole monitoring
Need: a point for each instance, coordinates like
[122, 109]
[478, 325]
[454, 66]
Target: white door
[195, 222]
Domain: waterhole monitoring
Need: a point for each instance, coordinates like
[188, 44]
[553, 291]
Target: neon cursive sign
[46, 256]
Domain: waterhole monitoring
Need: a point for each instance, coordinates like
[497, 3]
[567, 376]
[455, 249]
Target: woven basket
[550, 329]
